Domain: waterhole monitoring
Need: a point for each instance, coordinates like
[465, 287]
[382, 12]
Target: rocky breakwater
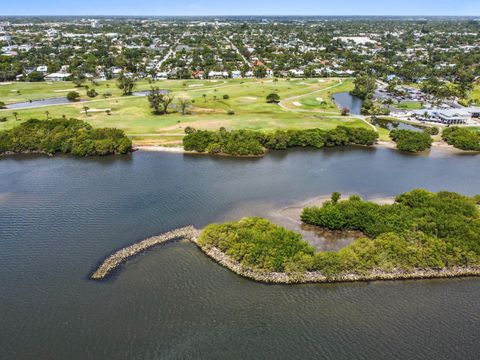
[317, 277]
[120, 256]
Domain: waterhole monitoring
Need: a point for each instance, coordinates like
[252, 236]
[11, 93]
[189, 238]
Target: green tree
[36, 76]
[79, 78]
[73, 96]
[273, 98]
[126, 84]
[184, 102]
[365, 85]
[411, 141]
[159, 100]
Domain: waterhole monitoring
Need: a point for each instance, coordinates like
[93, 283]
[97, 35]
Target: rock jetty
[192, 234]
[117, 258]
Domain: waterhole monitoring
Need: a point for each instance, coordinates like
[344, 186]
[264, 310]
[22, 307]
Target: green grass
[246, 99]
[410, 105]
[475, 95]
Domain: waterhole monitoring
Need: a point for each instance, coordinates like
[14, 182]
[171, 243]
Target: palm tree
[16, 115]
[47, 114]
[205, 97]
[86, 108]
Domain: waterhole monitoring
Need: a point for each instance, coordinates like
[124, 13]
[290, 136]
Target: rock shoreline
[117, 258]
[113, 261]
[318, 278]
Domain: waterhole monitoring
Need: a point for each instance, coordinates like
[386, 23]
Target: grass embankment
[246, 97]
[422, 235]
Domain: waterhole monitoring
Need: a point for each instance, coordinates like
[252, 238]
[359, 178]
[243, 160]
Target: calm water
[38, 103]
[62, 101]
[60, 216]
[390, 125]
[345, 100]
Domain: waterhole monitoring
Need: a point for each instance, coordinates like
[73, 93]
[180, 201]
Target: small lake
[392, 124]
[345, 100]
[59, 217]
[147, 92]
[38, 103]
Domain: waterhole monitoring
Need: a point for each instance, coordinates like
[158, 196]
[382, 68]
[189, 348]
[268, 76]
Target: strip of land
[113, 261]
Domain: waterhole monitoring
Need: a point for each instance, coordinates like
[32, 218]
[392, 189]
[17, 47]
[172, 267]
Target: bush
[411, 141]
[73, 96]
[3, 119]
[35, 76]
[462, 138]
[421, 230]
[92, 93]
[226, 97]
[273, 98]
[63, 136]
[432, 130]
[260, 245]
[249, 142]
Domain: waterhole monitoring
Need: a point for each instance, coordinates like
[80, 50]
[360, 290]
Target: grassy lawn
[410, 105]
[209, 108]
[475, 95]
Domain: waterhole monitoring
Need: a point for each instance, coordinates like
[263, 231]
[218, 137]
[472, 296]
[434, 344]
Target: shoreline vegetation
[65, 136]
[438, 145]
[256, 249]
[256, 143]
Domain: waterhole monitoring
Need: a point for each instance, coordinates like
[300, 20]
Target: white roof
[58, 75]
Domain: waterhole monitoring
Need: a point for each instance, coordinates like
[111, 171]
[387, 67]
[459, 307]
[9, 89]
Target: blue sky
[240, 7]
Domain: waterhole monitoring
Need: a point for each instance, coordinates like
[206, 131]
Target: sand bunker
[296, 103]
[96, 110]
[247, 99]
[66, 90]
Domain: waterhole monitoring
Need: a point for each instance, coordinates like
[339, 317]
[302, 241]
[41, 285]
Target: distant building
[57, 77]
[448, 116]
[42, 69]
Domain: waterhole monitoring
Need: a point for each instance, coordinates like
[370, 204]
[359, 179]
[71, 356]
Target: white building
[448, 116]
[57, 77]
[42, 68]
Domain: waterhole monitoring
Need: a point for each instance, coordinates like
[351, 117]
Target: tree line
[67, 136]
[250, 142]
